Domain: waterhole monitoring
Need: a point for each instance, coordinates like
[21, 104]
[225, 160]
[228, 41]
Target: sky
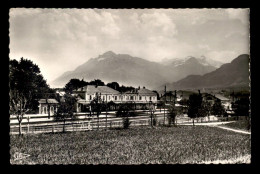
[59, 40]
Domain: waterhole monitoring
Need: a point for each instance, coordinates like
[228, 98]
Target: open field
[137, 145]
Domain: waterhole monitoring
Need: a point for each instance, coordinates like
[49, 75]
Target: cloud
[158, 23]
[222, 56]
[241, 14]
[59, 40]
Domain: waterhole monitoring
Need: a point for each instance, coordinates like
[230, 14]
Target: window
[103, 98]
[90, 97]
[150, 98]
[115, 97]
[108, 97]
[140, 97]
[132, 98]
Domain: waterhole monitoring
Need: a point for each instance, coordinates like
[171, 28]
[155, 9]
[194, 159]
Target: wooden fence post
[28, 128]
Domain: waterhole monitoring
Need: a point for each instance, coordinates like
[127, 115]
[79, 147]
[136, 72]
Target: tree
[126, 122]
[194, 104]
[152, 116]
[18, 107]
[96, 82]
[97, 105]
[66, 110]
[218, 108]
[204, 109]
[207, 108]
[126, 88]
[74, 84]
[114, 85]
[242, 107]
[172, 113]
[183, 102]
[124, 112]
[26, 87]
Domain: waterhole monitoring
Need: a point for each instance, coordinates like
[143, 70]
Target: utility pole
[182, 102]
[175, 95]
[97, 108]
[106, 111]
[164, 105]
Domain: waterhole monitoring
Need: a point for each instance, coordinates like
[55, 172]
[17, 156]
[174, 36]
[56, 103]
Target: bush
[172, 115]
[125, 111]
[126, 122]
[154, 121]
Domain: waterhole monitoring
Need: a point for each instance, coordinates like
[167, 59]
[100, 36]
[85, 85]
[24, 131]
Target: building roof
[144, 91]
[92, 89]
[131, 92]
[221, 97]
[50, 100]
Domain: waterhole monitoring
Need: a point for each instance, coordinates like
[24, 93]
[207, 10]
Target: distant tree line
[75, 84]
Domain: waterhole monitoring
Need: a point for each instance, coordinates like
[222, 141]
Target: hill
[231, 74]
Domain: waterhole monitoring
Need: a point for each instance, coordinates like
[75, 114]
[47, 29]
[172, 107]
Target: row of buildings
[142, 98]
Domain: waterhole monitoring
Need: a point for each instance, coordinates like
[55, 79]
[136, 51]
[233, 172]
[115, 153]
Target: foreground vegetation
[162, 145]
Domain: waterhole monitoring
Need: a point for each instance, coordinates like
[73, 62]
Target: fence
[87, 123]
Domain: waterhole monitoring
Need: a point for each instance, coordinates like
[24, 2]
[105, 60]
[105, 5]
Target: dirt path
[234, 130]
[207, 123]
[218, 125]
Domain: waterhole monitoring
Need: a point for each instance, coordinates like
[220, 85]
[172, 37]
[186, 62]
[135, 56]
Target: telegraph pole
[175, 95]
[182, 102]
[164, 105]
[106, 111]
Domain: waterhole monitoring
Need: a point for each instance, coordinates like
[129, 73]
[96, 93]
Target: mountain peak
[231, 74]
[108, 54]
[192, 60]
[203, 57]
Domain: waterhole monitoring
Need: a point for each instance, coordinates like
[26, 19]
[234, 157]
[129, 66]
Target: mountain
[122, 68]
[202, 60]
[134, 71]
[191, 66]
[231, 74]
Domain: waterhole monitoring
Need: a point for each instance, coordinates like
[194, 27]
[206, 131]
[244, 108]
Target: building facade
[139, 97]
[44, 104]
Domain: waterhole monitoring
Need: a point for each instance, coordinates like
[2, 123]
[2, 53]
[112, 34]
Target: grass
[137, 145]
[240, 124]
